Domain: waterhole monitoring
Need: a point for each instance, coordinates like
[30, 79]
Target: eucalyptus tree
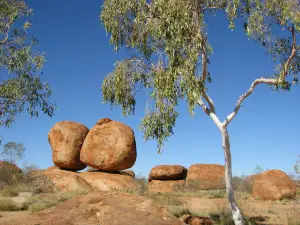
[13, 152]
[20, 65]
[170, 45]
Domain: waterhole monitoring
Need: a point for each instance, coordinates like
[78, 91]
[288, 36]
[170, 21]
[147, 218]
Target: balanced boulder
[109, 146]
[66, 139]
[166, 178]
[104, 181]
[167, 172]
[206, 176]
[273, 185]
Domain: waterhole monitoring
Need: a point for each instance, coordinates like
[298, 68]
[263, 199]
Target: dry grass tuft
[14, 189]
[7, 204]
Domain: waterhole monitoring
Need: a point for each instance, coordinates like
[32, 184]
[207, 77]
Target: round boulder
[167, 172]
[273, 185]
[206, 177]
[109, 146]
[66, 139]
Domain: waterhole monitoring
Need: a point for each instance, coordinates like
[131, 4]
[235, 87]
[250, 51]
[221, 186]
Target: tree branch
[294, 50]
[204, 61]
[209, 101]
[211, 114]
[268, 81]
[8, 26]
[245, 95]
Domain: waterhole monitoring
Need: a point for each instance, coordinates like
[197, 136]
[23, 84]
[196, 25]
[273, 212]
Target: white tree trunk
[236, 213]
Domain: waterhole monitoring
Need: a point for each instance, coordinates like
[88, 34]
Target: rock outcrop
[165, 185]
[109, 146]
[273, 185]
[104, 181]
[66, 139]
[206, 176]
[62, 181]
[10, 167]
[102, 208]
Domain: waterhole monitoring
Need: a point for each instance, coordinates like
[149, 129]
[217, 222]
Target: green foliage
[169, 44]
[12, 152]
[23, 88]
[257, 170]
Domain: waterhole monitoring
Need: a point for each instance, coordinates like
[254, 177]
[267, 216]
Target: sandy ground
[267, 212]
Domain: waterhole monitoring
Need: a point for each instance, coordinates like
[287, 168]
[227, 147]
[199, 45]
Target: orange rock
[105, 208]
[168, 172]
[199, 220]
[66, 139]
[128, 172]
[65, 180]
[104, 181]
[109, 146]
[206, 176]
[273, 185]
[165, 185]
[9, 167]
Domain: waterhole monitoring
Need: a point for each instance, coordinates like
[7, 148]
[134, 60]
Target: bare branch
[204, 107]
[204, 61]
[268, 81]
[211, 114]
[246, 94]
[294, 50]
[209, 101]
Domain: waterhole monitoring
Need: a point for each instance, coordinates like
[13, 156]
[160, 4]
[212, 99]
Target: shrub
[242, 184]
[216, 193]
[41, 202]
[178, 211]
[14, 189]
[142, 185]
[8, 205]
[68, 195]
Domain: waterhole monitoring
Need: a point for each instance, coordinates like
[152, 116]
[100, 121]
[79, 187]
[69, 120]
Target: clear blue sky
[266, 132]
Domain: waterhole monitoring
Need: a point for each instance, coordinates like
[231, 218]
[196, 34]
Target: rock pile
[109, 147]
[166, 178]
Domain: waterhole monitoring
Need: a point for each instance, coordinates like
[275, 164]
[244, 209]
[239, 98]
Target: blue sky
[266, 132]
